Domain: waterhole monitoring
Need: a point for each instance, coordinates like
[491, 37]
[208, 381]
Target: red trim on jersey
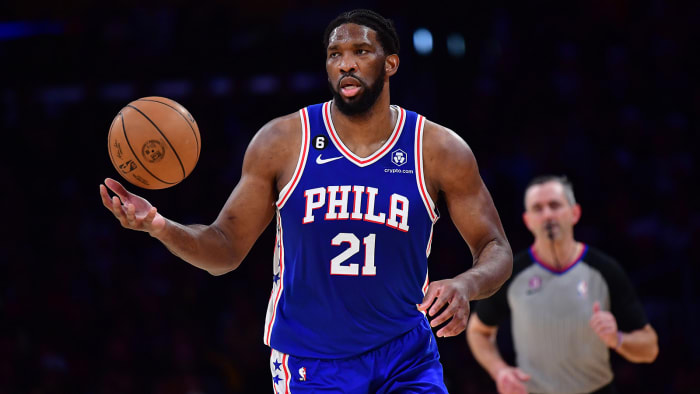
[302, 162]
[351, 156]
[279, 288]
[430, 243]
[285, 360]
[419, 168]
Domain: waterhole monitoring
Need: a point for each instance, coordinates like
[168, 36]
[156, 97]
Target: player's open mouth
[350, 87]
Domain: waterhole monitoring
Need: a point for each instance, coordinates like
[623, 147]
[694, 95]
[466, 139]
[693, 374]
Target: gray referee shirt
[550, 311]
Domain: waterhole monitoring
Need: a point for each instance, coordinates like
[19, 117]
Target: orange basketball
[154, 142]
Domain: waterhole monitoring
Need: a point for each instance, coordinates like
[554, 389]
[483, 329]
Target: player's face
[546, 205]
[355, 62]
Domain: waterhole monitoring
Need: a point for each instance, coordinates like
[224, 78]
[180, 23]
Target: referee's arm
[482, 342]
[639, 346]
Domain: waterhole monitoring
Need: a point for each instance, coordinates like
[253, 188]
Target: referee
[569, 303]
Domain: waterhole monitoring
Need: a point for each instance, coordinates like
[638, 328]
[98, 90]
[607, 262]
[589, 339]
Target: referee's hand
[604, 325]
[511, 380]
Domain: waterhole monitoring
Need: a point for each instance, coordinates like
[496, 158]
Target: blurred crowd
[605, 92]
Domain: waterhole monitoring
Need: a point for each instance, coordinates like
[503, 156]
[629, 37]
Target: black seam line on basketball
[183, 116]
[109, 139]
[136, 156]
[182, 167]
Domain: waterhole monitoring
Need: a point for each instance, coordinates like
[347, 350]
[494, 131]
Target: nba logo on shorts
[302, 374]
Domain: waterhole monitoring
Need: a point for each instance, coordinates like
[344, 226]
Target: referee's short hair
[562, 179]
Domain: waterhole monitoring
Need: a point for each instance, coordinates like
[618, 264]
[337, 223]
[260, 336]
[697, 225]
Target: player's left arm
[450, 169]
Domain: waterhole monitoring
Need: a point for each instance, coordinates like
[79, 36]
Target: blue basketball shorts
[408, 364]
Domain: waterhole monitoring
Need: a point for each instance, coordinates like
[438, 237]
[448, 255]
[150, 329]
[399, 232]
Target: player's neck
[558, 253]
[365, 132]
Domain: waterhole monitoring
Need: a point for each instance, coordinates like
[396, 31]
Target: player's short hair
[562, 179]
[386, 32]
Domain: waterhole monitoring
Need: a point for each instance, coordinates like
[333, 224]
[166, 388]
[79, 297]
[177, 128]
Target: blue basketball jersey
[352, 242]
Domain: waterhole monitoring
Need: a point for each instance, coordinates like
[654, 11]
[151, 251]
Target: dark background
[604, 91]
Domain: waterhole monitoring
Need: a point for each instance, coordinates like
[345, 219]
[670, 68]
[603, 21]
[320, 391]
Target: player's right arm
[221, 246]
[482, 342]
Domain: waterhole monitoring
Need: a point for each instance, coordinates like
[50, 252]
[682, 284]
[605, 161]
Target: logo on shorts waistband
[302, 374]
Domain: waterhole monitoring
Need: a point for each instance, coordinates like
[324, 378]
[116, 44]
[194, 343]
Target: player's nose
[347, 64]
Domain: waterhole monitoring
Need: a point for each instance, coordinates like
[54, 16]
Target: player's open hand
[132, 211]
[453, 294]
[604, 325]
[511, 380]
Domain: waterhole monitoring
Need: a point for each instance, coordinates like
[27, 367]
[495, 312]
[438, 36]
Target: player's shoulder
[446, 146]
[281, 129]
[276, 145]
[438, 136]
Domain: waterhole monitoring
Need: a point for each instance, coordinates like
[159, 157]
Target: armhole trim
[301, 163]
[420, 176]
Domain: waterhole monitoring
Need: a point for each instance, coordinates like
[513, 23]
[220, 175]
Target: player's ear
[391, 64]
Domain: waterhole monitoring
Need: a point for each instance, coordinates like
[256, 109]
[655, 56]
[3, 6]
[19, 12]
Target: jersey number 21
[353, 269]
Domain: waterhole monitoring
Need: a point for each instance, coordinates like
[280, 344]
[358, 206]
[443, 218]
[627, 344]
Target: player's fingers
[131, 214]
[454, 327]
[442, 300]
[460, 317]
[118, 211]
[150, 216]
[430, 295]
[117, 207]
[117, 188]
[444, 316]
[104, 195]
[596, 307]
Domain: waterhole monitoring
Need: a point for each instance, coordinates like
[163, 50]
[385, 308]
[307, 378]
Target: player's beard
[362, 103]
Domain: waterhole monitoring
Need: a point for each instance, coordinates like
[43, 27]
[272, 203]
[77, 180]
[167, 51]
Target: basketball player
[569, 304]
[351, 184]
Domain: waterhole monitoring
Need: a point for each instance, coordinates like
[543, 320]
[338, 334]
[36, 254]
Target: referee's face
[546, 205]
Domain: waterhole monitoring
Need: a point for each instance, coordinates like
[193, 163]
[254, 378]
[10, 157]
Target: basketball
[154, 142]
